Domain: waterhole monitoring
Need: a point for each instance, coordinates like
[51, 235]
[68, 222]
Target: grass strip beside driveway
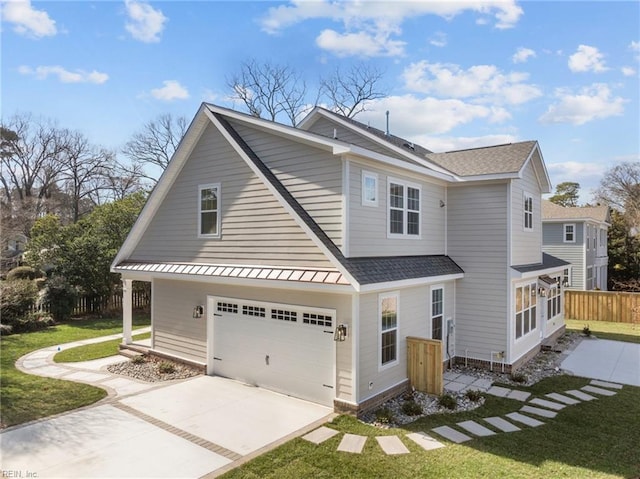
[25, 397]
[87, 352]
[627, 332]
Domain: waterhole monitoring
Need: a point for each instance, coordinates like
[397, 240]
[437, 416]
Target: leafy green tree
[567, 194]
[624, 255]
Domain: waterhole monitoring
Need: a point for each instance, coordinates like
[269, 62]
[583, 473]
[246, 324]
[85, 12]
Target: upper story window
[209, 210]
[528, 212]
[369, 188]
[569, 233]
[588, 240]
[404, 209]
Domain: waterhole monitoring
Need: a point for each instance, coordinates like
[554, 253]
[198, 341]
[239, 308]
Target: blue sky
[459, 74]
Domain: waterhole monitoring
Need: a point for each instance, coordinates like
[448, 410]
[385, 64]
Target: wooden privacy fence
[91, 304]
[617, 307]
[424, 364]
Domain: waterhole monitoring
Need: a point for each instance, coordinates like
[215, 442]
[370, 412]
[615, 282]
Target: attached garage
[282, 347]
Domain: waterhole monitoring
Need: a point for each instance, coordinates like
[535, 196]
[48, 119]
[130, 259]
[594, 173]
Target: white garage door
[285, 348]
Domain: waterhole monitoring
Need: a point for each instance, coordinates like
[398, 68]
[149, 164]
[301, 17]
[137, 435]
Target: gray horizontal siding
[553, 244]
[526, 244]
[368, 225]
[477, 241]
[255, 227]
[312, 176]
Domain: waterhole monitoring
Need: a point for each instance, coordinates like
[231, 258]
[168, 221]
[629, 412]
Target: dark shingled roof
[489, 160]
[364, 270]
[548, 261]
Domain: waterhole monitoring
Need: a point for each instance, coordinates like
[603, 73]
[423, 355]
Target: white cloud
[438, 39]
[628, 71]
[587, 59]
[522, 55]
[27, 20]
[64, 75]
[634, 46]
[377, 21]
[359, 44]
[411, 116]
[145, 23]
[484, 83]
[172, 90]
[591, 103]
[588, 175]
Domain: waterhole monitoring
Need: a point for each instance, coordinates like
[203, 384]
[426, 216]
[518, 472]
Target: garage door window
[227, 307]
[388, 329]
[255, 311]
[284, 315]
[317, 319]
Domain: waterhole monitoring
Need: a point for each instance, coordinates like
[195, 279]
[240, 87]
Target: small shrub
[138, 359]
[411, 408]
[586, 331]
[60, 296]
[519, 377]
[448, 401]
[23, 272]
[384, 415]
[474, 395]
[166, 367]
[17, 298]
[32, 322]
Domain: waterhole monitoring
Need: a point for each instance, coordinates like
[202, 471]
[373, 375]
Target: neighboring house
[578, 235]
[300, 259]
[12, 251]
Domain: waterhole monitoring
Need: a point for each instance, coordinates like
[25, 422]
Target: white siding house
[300, 259]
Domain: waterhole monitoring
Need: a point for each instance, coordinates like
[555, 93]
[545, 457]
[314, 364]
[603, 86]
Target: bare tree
[269, 89]
[348, 92]
[620, 188]
[122, 181]
[154, 145]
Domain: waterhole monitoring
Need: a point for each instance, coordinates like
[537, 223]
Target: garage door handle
[216, 314]
[217, 359]
[327, 386]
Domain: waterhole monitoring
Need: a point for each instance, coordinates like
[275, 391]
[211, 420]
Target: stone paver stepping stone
[548, 404]
[519, 395]
[604, 384]
[502, 424]
[320, 435]
[499, 391]
[563, 399]
[602, 392]
[529, 421]
[475, 428]
[465, 379]
[450, 376]
[392, 445]
[352, 443]
[482, 384]
[451, 434]
[538, 412]
[580, 395]
[425, 441]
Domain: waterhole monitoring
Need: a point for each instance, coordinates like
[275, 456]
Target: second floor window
[404, 209]
[570, 233]
[209, 210]
[528, 212]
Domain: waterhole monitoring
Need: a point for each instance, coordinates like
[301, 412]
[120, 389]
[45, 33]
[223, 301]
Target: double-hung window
[569, 233]
[209, 210]
[404, 209]
[388, 329]
[528, 212]
[526, 300]
[437, 312]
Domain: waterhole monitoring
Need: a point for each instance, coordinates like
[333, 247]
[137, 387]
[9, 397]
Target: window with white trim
[404, 209]
[369, 189]
[528, 212]
[526, 300]
[437, 312]
[569, 233]
[554, 299]
[388, 329]
[209, 210]
[566, 277]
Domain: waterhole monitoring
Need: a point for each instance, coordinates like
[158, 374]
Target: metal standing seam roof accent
[548, 261]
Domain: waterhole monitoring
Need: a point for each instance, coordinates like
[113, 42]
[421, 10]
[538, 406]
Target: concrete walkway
[195, 427]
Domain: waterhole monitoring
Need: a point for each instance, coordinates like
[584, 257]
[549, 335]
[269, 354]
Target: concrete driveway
[188, 429]
[613, 361]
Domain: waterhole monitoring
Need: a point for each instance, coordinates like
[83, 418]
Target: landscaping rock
[148, 370]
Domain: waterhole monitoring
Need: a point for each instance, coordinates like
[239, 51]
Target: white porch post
[127, 310]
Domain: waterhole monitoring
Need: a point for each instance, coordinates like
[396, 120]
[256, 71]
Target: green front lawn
[607, 330]
[24, 397]
[597, 439]
[87, 352]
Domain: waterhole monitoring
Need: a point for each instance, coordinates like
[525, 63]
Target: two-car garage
[283, 347]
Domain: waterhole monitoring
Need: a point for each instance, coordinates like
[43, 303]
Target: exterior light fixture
[542, 292]
[198, 311]
[341, 333]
